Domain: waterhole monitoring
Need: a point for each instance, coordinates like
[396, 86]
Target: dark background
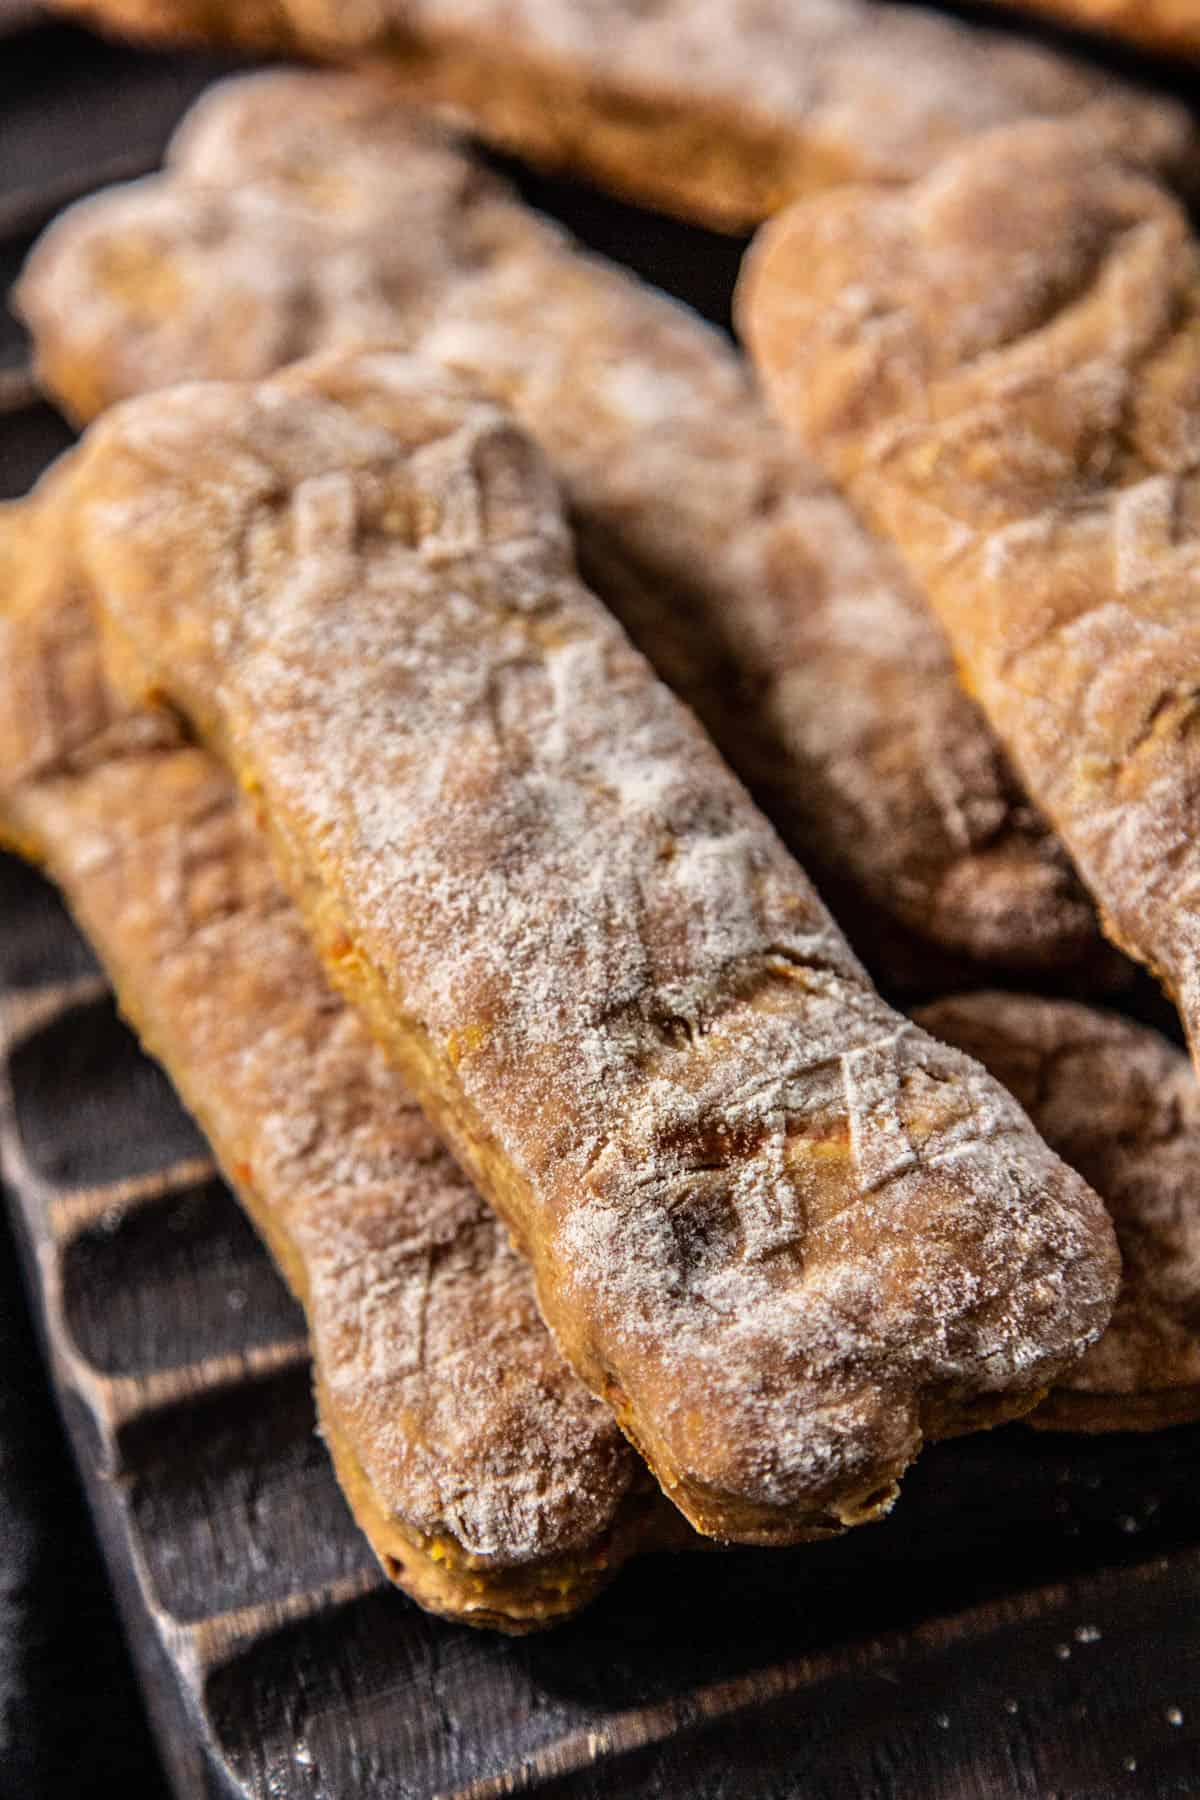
[73, 113]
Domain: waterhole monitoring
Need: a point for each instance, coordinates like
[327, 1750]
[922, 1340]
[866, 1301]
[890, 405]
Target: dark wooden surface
[1026, 1624]
[71, 1718]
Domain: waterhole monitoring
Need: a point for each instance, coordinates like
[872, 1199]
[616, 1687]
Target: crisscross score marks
[50, 703]
[475, 484]
[734, 565]
[623, 1002]
[61, 724]
[878, 1137]
[857, 1152]
[433, 1363]
[425, 1347]
[922, 342]
[56, 712]
[1034, 449]
[728, 1182]
[770, 1216]
[1147, 532]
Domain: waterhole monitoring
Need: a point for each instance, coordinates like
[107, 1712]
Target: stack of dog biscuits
[345, 669]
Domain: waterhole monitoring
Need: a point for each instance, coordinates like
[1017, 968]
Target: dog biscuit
[721, 110]
[778, 1228]
[1002, 365]
[302, 211]
[492, 1486]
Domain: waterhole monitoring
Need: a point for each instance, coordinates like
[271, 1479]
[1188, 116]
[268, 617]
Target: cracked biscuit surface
[1121, 1105]
[1002, 366]
[721, 110]
[781, 1230]
[302, 211]
[491, 1485]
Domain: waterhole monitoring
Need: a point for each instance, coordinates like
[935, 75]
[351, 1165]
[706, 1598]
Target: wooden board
[1026, 1624]
[59, 1634]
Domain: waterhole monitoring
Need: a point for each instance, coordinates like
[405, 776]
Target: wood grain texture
[1025, 1625]
[58, 1632]
[1020, 1581]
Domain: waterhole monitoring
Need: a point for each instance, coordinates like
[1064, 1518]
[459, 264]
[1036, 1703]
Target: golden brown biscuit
[491, 1485]
[301, 211]
[785, 1234]
[1122, 1106]
[1170, 25]
[721, 110]
[1003, 367]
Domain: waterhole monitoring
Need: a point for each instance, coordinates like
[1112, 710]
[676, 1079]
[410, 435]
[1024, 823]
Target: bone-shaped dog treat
[301, 211]
[719, 109]
[784, 1233]
[1003, 366]
[1122, 1106]
[490, 1483]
